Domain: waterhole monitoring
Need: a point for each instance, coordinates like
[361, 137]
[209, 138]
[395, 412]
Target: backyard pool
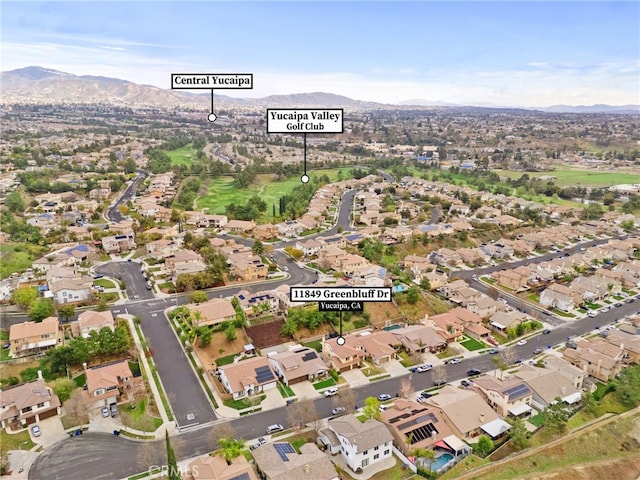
[441, 461]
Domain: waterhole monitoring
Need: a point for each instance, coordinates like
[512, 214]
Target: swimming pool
[441, 461]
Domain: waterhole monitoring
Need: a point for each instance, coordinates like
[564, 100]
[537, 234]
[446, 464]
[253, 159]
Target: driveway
[51, 430]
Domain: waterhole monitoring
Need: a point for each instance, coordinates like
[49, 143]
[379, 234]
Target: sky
[505, 53]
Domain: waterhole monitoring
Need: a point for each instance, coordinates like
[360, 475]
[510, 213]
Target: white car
[424, 368]
[330, 392]
[454, 361]
[592, 314]
[521, 343]
[338, 410]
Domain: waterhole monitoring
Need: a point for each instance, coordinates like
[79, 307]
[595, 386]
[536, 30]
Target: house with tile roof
[107, 382]
[280, 461]
[27, 403]
[32, 337]
[298, 364]
[247, 377]
[215, 467]
[361, 444]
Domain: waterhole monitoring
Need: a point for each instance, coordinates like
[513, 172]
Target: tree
[506, 358]
[519, 435]
[372, 407]
[41, 309]
[77, 409]
[205, 334]
[406, 389]
[24, 297]
[66, 311]
[148, 455]
[172, 464]
[484, 446]
[15, 203]
[258, 248]
[63, 388]
[198, 296]
[627, 386]
[301, 413]
[413, 295]
[231, 448]
[223, 430]
[230, 332]
[439, 374]
[345, 398]
[555, 416]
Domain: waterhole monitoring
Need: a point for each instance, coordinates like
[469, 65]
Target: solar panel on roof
[242, 476]
[264, 374]
[517, 391]
[283, 450]
[309, 356]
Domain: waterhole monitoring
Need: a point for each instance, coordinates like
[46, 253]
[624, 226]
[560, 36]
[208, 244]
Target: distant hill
[599, 108]
[40, 85]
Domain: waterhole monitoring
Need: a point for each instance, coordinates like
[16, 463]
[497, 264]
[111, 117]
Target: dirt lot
[266, 334]
[221, 347]
[382, 312]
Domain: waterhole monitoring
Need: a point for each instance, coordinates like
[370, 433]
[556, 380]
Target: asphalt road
[113, 214]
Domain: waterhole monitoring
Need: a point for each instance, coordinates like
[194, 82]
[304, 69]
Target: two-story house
[31, 337]
[361, 444]
[213, 312]
[297, 365]
[27, 403]
[280, 461]
[510, 396]
[91, 320]
[107, 382]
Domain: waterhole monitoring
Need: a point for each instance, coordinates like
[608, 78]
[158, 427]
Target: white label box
[362, 294]
[208, 81]
[305, 120]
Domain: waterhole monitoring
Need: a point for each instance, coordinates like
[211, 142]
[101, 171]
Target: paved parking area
[51, 430]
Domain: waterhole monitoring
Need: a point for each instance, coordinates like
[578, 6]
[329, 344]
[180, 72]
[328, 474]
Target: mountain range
[38, 85]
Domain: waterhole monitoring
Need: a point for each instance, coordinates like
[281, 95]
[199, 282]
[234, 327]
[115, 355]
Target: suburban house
[280, 461]
[184, 261]
[342, 357]
[547, 386]
[597, 357]
[215, 467]
[510, 396]
[252, 303]
[297, 365]
[247, 267]
[31, 337]
[379, 346]
[558, 296]
[514, 280]
[574, 374]
[465, 411]
[119, 243]
[162, 248]
[213, 312]
[266, 231]
[107, 382]
[27, 403]
[309, 247]
[240, 226]
[627, 342]
[361, 444]
[420, 338]
[414, 425]
[247, 377]
[71, 290]
[90, 320]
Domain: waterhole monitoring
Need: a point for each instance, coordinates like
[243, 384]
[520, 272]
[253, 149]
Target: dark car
[546, 331]
[472, 372]
[465, 383]
[537, 351]
[437, 383]
[493, 351]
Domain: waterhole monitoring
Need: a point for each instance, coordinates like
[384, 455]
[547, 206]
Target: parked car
[473, 371]
[437, 383]
[105, 412]
[424, 368]
[35, 430]
[521, 343]
[618, 304]
[571, 344]
[338, 410]
[465, 383]
[260, 441]
[383, 397]
[114, 409]
[592, 314]
[276, 427]
[330, 392]
[546, 331]
[454, 361]
[537, 351]
[493, 351]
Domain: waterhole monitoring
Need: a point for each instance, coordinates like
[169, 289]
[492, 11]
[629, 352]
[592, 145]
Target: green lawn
[576, 176]
[80, 380]
[243, 403]
[104, 282]
[315, 344]
[472, 344]
[536, 420]
[222, 192]
[285, 390]
[226, 360]
[17, 257]
[324, 384]
[181, 156]
[15, 441]
[4, 352]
